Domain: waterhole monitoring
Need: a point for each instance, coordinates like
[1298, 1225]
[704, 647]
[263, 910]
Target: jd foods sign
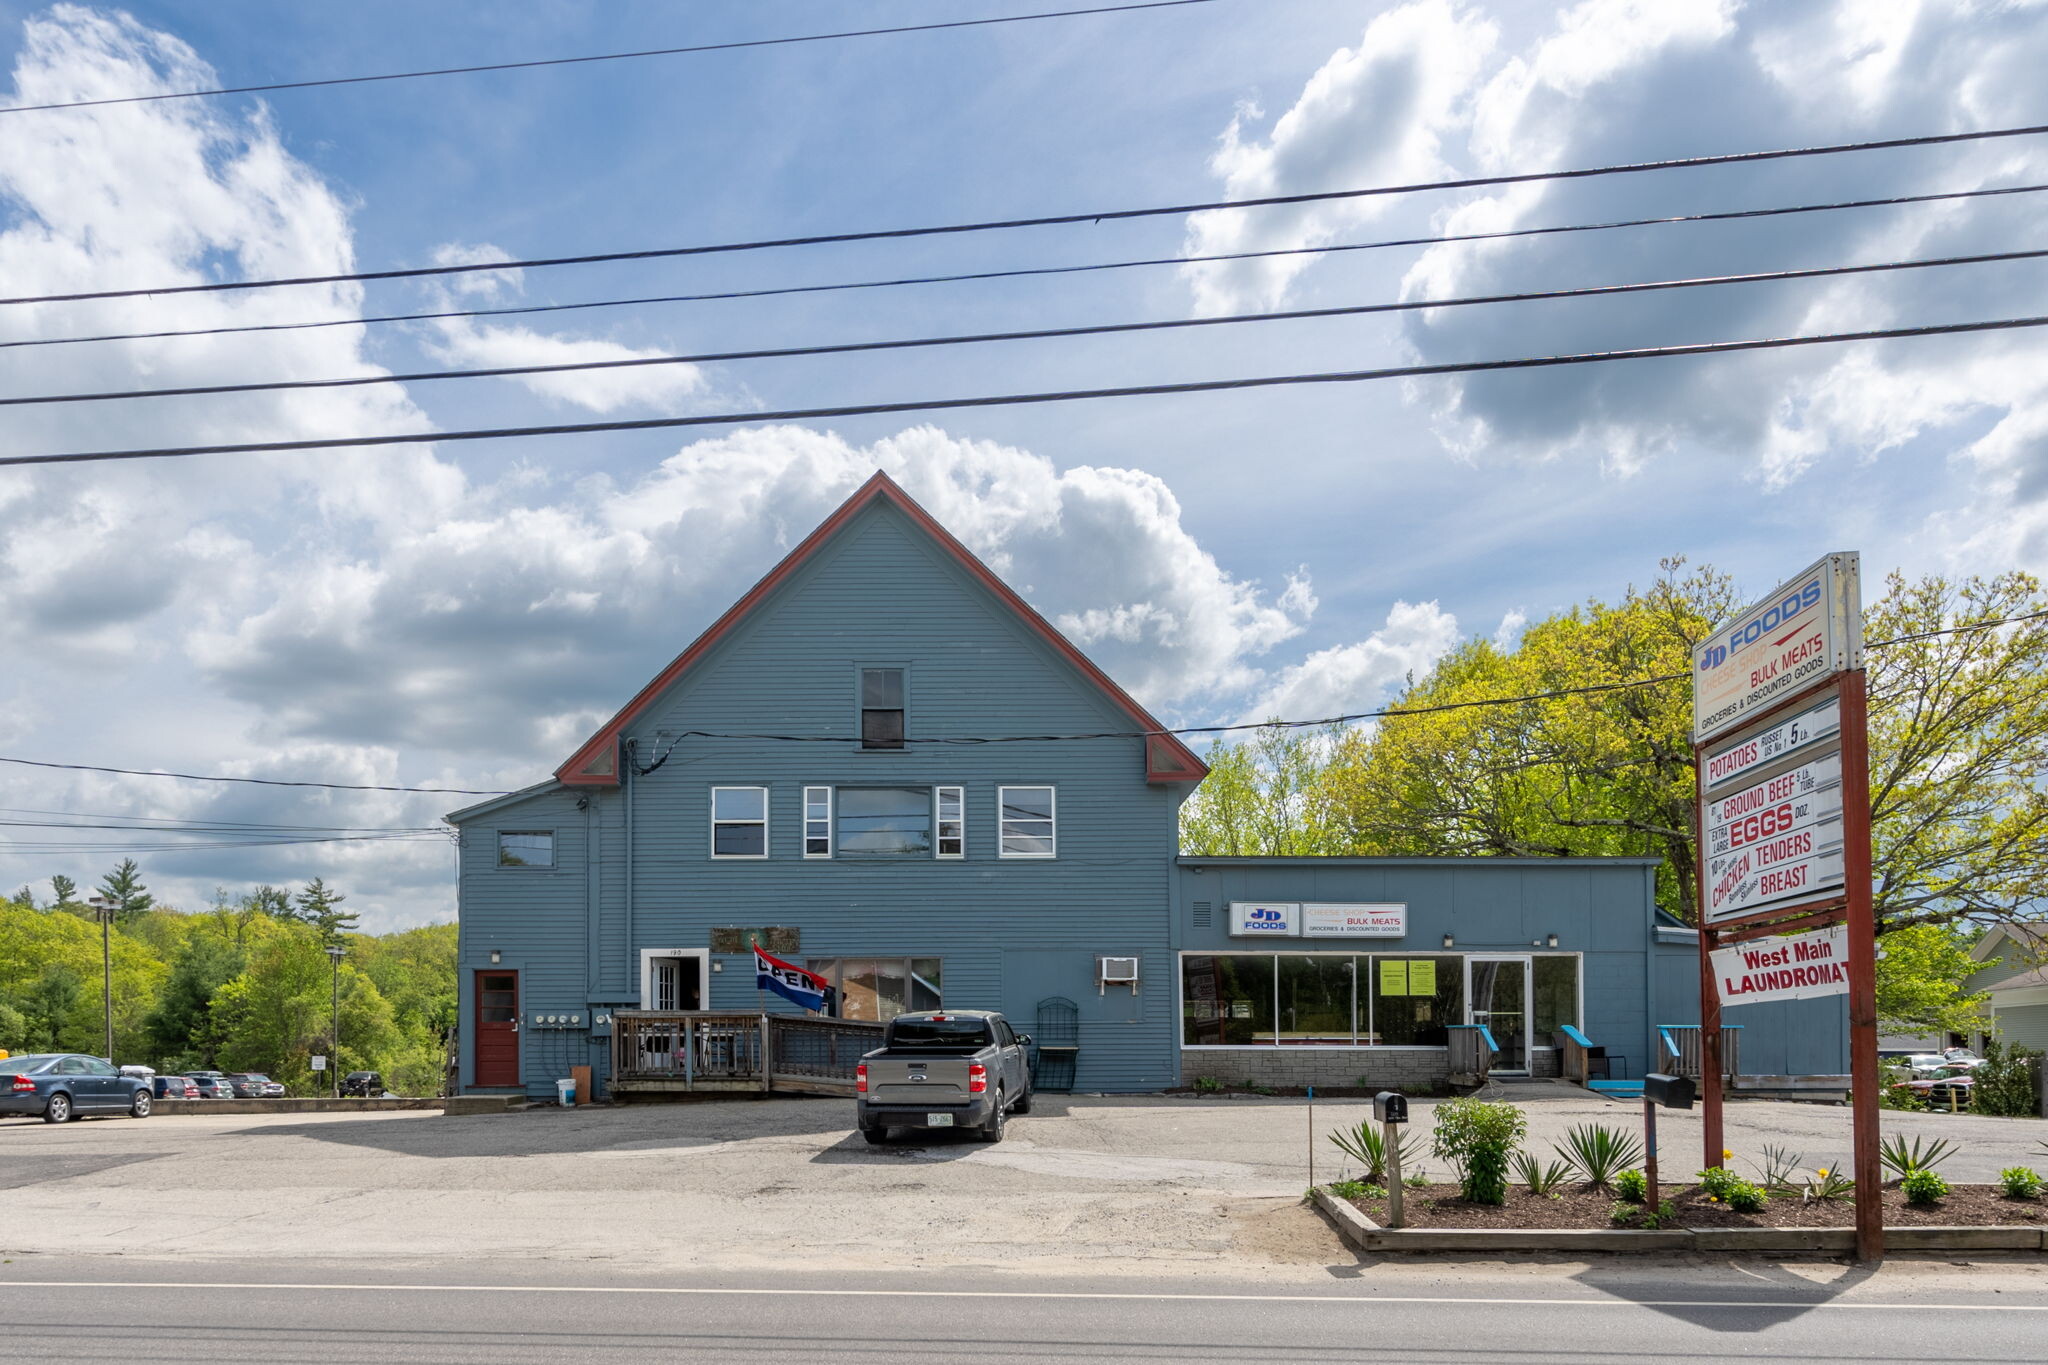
[1807, 630]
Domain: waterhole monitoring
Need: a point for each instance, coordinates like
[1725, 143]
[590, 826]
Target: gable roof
[595, 764]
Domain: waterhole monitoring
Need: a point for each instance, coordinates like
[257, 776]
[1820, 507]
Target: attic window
[881, 708]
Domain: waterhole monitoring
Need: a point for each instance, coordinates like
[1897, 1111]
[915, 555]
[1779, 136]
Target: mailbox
[1390, 1106]
[1673, 1092]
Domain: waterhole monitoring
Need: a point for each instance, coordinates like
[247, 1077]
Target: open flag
[791, 982]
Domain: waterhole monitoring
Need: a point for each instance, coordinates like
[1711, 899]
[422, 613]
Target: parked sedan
[59, 1085]
[367, 1084]
[254, 1085]
[212, 1085]
[174, 1088]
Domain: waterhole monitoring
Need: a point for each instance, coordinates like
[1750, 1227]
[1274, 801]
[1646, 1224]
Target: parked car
[254, 1085]
[212, 1085]
[366, 1084]
[60, 1085]
[949, 1069]
[1945, 1092]
[174, 1088]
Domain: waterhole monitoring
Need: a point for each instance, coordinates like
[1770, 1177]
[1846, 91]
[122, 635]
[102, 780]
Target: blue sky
[462, 614]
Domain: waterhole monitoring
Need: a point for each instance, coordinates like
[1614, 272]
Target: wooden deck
[711, 1051]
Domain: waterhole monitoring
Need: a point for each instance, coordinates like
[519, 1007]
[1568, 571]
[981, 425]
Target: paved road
[563, 1315]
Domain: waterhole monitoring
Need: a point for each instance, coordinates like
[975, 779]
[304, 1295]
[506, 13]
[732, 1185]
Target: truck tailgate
[909, 1079]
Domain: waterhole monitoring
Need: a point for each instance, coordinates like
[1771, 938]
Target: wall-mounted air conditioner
[1116, 971]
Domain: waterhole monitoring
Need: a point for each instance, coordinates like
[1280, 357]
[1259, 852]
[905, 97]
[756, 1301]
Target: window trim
[554, 850]
[1052, 806]
[714, 822]
[939, 822]
[931, 817]
[860, 709]
[831, 810]
[837, 976]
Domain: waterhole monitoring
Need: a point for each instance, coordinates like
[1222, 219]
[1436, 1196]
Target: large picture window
[884, 822]
[1351, 1000]
[880, 988]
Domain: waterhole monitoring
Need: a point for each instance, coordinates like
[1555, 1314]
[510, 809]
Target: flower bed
[1441, 1206]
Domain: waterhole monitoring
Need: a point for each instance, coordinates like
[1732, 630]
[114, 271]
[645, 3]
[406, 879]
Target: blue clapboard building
[1038, 876]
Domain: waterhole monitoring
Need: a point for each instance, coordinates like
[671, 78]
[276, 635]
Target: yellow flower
[1823, 1173]
[1727, 1155]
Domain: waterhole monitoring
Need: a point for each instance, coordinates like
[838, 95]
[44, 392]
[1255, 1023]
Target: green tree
[13, 1030]
[1920, 975]
[66, 890]
[27, 897]
[182, 1022]
[275, 901]
[276, 1014]
[321, 907]
[124, 887]
[1262, 797]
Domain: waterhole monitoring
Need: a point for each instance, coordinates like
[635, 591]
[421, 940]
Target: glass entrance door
[1498, 991]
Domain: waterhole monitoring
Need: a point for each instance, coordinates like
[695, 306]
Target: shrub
[1901, 1097]
[1478, 1137]
[1366, 1144]
[1598, 1151]
[1903, 1157]
[1633, 1186]
[1724, 1186]
[2004, 1084]
[1418, 1181]
[1542, 1178]
[2020, 1183]
[1356, 1189]
[1924, 1187]
[1626, 1214]
[1207, 1085]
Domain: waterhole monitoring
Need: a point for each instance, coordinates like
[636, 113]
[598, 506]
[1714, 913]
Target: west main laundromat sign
[1796, 967]
[1804, 632]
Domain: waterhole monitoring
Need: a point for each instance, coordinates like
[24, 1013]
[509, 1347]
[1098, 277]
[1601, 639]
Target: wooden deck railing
[1680, 1044]
[703, 1050]
[1472, 1049]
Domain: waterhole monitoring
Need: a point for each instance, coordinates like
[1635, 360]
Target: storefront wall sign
[1265, 919]
[1795, 967]
[1354, 921]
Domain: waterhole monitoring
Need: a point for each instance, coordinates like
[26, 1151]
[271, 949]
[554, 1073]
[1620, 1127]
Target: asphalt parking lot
[1134, 1183]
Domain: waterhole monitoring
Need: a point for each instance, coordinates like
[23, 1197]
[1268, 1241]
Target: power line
[166, 824]
[1028, 399]
[1052, 220]
[1032, 271]
[601, 57]
[21, 848]
[248, 781]
[1388, 712]
[1037, 334]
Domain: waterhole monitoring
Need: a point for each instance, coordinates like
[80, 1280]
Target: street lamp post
[104, 908]
[334, 1023]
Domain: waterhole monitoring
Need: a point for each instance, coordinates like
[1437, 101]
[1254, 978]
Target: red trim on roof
[1167, 759]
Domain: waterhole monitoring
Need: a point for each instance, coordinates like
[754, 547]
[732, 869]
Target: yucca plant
[1598, 1152]
[1902, 1157]
[1367, 1145]
[1829, 1182]
[1778, 1167]
[1541, 1177]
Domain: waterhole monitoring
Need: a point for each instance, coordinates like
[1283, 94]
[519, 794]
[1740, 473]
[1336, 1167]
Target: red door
[497, 1028]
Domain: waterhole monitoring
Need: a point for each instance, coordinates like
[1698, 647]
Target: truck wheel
[1024, 1105]
[992, 1131]
[876, 1135]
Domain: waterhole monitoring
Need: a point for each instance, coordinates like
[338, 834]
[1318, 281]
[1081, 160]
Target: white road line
[698, 1291]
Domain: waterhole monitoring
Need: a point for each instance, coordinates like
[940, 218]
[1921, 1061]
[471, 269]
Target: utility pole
[104, 908]
[334, 1022]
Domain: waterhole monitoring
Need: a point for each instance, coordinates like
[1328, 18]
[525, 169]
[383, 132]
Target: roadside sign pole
[1862, 923]
[1650, 1146]
[1710, 992]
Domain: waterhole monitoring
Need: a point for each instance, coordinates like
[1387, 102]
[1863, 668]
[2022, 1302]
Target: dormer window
[881, 708]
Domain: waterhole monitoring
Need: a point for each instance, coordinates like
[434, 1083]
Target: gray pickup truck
[944, 1069]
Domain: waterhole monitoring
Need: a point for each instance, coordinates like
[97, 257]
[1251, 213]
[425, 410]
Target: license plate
[938, 1120]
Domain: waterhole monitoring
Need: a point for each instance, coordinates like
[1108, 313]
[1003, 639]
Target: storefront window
[1557, 997]
[1227, 999]
[1416, 999]
[1315, 999]
[880, 988]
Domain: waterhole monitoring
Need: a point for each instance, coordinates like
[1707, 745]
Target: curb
[1365, 1235]
[308, 1105]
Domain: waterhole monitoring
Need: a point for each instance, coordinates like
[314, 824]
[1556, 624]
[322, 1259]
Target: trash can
[565, 1092]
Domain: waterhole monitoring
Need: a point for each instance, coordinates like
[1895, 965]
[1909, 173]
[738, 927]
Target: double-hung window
[881, 708]
[952, 804]
[1028, 822]
[739, 822]
[817, 822]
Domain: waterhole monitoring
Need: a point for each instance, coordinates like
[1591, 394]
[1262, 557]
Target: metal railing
[693, 1050]
[1681, 1043]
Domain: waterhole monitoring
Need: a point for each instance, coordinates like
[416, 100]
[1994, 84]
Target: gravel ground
[1137, 1184]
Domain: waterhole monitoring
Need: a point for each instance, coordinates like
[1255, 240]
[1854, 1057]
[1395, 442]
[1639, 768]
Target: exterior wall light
[496, 957]
[1449, 942]
[1552, 940]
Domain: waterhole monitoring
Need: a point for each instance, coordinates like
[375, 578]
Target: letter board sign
[1354, 921]
[1796, 967]
[1787, 737]
[1265, 919]
[1809, 629]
